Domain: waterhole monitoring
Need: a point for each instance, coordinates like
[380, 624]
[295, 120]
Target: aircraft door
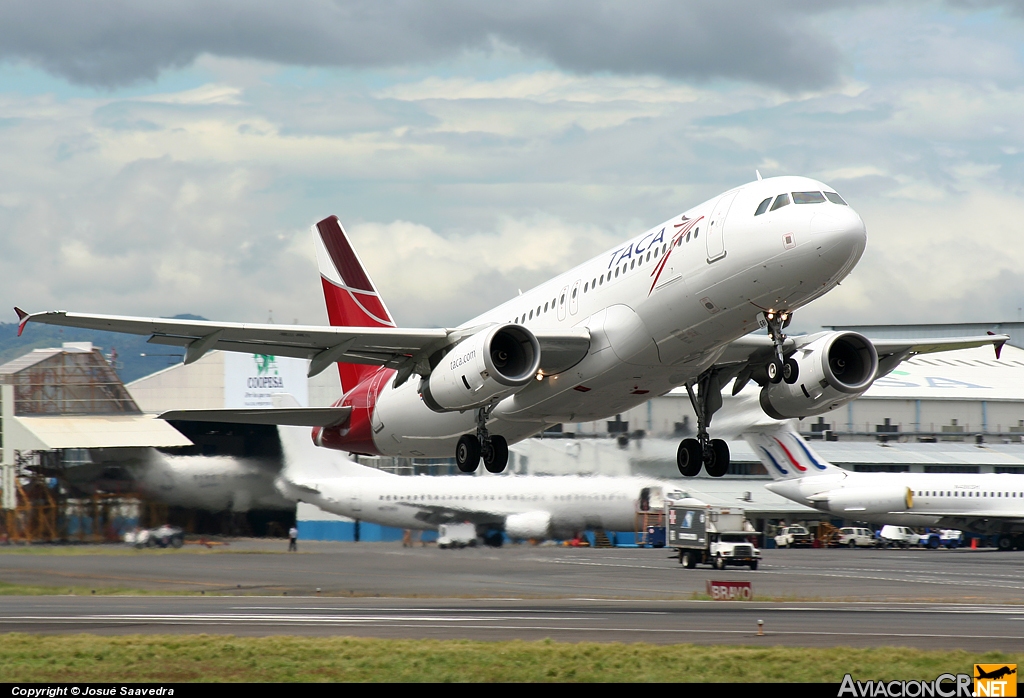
[714, 233]
[563, 297]
[574, 298]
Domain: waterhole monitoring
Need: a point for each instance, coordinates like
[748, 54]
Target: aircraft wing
[746, 357]
[286, 416]
[988, 521]
[406, 350]
[435, 514]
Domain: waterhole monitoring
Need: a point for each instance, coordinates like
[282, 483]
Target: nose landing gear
[780, 368]
[492, 449]
[712, 454]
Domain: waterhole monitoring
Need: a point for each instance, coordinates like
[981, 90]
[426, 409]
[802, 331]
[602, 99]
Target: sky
[169, 157]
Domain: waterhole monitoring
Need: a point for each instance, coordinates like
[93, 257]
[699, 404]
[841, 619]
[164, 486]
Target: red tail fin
[352, 299]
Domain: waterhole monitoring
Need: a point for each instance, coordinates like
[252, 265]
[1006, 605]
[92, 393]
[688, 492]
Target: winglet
[22, 319]
[997, 346]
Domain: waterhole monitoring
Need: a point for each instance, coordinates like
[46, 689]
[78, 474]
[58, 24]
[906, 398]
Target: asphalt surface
[923, 598]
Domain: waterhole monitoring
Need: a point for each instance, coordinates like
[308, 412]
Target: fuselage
[660, 309]
[568, 504]
[921, 499]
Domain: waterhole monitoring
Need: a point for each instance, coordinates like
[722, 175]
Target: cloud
[109, 43]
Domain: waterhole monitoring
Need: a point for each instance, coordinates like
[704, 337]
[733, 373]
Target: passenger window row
[799, 197]
[599, 281]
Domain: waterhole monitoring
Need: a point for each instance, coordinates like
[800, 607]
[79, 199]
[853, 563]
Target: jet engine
[865, 500]
[831, 371]
[490, 365]
[531, 524]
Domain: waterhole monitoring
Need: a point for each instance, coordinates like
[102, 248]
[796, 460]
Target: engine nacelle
[833, 370]
[488, 366]
[865, 500]
[530, 524]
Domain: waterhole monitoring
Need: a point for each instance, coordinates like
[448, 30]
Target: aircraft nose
[840, 233]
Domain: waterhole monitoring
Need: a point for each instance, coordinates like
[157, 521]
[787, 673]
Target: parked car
[853, 537]
[901, 536]
[793, 537]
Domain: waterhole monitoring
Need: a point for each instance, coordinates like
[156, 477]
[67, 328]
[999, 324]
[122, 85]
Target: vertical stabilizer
[352, 299]
[305, 464]
[785, 454]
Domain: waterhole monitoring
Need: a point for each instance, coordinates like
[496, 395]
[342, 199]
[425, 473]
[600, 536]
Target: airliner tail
[351, 297]
[784, 452]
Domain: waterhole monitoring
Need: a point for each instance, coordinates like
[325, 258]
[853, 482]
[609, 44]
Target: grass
[120, 549]
[166, 658]
[32, 590]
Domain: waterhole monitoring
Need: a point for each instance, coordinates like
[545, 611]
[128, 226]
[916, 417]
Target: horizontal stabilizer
[287, 416]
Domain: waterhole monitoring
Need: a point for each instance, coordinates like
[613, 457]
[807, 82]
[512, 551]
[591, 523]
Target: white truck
[898, 536]
[794, 537]
[456, 535]
[710, 535]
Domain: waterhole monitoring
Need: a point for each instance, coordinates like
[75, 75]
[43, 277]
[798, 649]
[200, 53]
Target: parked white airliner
[523, 507]
[672, 306]
[991, 503]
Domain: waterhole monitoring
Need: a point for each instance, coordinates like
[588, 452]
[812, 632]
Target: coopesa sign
[252, 380]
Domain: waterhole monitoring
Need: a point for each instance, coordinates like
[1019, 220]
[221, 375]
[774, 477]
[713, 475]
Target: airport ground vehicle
[794, 537]
[163, 537]
[942, 538]
[709, 535]
[456, 535]
[854, 537]
[902, 536]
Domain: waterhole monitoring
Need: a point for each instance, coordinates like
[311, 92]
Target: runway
[922, 598]
[926, 626]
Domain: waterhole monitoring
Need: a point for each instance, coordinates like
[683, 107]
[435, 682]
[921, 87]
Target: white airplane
[673, 306]
[991, 503]
[211, 483]
[523, 507]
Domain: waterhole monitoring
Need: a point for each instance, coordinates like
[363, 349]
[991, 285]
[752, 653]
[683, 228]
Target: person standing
[293, 540]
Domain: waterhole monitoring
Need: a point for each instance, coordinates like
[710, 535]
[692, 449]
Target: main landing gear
[779, 368]
[712, 454]
[492, 449]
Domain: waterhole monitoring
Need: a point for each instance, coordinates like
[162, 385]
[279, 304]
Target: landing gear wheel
[774, 369]
[467, 453]
[495, 454]
[688, 458]
[705, 399]
[717, 461]
[790, 371]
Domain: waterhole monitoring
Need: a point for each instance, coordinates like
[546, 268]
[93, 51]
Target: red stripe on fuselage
[794, 461]
[687, 226]
[356, 434]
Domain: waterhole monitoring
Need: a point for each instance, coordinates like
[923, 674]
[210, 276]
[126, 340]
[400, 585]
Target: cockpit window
[782, 200]
[763, 207]
[808, 197]
[835, 198]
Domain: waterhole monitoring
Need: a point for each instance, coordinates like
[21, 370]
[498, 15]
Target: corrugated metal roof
[92, 431]
[27, 360]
